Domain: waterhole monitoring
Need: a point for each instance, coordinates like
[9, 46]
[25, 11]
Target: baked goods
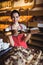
[23, 56]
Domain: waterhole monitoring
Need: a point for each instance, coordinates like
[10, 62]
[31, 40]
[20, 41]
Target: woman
[18, 39]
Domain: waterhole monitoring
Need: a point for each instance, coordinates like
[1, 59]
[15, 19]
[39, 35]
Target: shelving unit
[37, 40]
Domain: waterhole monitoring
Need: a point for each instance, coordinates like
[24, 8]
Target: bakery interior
[31, 15]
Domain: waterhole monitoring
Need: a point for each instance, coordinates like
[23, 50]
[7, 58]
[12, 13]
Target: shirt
[21, 27]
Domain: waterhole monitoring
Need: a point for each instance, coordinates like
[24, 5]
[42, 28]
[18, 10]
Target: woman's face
[15, 17]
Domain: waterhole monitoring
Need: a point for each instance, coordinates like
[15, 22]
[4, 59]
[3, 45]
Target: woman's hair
[14, 11]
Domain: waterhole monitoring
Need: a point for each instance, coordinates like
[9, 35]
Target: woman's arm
[27, 37]
[11, 40]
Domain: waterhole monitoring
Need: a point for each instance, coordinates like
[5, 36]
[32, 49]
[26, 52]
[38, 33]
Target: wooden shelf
[40, 33]
[36, 43]
[37, 39]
